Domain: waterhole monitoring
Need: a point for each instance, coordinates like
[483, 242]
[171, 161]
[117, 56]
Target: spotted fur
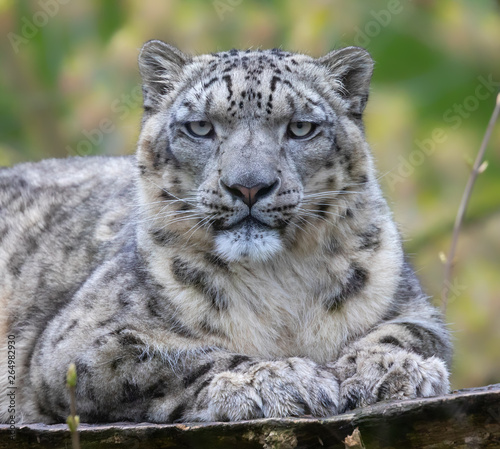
[246, 272]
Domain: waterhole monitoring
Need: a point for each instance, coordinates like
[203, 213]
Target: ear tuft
[352, 67]
[161, 67]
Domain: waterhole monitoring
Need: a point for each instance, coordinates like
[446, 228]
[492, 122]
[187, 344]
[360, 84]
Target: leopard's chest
[282, 315]
[284, 309]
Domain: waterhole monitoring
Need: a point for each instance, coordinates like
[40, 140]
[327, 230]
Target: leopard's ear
[161, 67]
[352, 68]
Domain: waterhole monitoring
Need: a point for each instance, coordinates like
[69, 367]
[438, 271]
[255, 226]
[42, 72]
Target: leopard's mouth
[249, 239]
[249, 222]
[246, 223]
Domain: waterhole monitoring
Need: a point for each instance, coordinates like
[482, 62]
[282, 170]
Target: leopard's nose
[250, 195]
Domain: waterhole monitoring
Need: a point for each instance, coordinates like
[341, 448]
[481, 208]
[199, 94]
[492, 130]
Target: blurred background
[69, 85]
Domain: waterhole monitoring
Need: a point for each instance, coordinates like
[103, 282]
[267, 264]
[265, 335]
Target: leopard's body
[243, 264]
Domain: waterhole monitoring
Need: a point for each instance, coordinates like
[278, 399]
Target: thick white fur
[234, 246]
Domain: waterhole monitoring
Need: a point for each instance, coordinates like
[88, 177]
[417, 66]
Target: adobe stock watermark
[455, 289]
[39, 19]
[454, 116]
[94, 137]
[224, 6]
[12, 385]
[381, 19]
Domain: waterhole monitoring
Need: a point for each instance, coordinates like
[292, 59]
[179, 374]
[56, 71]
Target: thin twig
[463, 205]
[73, 420]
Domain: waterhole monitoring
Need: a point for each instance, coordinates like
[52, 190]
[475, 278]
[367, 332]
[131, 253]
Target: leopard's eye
[300, 130]
[199, 129]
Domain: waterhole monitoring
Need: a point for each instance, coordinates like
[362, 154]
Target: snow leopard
[242, 264]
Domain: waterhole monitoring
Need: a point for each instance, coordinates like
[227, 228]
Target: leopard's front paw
[377, 376]
[292, 387]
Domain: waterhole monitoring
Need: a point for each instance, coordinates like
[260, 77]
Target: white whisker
[166, 191]
[168, 214]
[197, 226]
[304, 215]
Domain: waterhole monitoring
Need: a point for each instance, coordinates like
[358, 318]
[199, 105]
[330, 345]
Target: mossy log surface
[464, 419]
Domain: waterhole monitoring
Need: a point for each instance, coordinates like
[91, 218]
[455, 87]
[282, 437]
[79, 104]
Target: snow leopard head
[246, 152]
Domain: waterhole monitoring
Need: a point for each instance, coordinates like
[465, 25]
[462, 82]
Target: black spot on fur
[18, 259]
[130, 392]
[157, 390]
[177, 413]
[229, 84]
[116, 363]
[202, 386]
[157, 307]
[82, 369]
[236, 361]
[123, 298]
[370, 239]
[354, 284]
[350, 402]
[199, 279]
[325, 400]
[363, 179]
[65, 332]
[299, 399]
[105, 322]
[165, 195]
[210, 82]
[216, 261]
[390, 340]
[99, 341]
[307, 409]
[322, 209]
[383, 390]
[428, 343]
[188, 104]
[194, 375]
[162, 237]
[408, 290]
[152, 307]
[332, 245]
[274, 80]
[127, 339]
[186, 274]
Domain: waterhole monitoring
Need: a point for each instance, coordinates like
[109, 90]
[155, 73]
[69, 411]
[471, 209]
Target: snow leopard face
[245, 151]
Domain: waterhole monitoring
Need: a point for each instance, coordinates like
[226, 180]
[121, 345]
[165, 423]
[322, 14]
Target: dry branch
[464, 419]
[476, 169]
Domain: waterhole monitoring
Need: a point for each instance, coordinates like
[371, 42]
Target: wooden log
[464, 419]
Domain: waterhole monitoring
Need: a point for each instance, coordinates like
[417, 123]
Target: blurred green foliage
[69, 84]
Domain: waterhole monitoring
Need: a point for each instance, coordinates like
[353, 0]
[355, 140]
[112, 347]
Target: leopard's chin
[249, 240]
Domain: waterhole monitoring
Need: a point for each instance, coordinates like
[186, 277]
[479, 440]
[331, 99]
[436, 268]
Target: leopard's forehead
[238, 82]
[256, 61]
[253, 67]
